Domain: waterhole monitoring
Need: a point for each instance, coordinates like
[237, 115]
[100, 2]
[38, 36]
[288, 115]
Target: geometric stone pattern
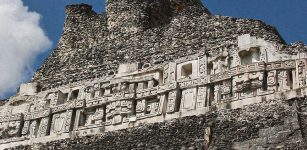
[94, 45]
[104, 85]
[228, 129]
[150, 94]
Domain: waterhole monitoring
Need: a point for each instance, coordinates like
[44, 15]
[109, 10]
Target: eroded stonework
[165, 60]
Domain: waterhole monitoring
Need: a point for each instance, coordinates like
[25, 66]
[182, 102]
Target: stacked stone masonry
[168, 70]
[268, 125]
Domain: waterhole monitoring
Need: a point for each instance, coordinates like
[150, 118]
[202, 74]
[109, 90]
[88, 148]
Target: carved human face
[13, 127]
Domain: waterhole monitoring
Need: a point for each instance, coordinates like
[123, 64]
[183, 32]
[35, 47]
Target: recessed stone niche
[187, 69]
[250, 56]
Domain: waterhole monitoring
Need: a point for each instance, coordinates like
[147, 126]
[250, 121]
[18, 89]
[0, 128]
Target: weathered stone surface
[269, 125]
[162, 74]
[92, 45]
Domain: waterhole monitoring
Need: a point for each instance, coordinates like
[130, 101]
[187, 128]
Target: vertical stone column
[201, 97]
[263, 54]
[170, 78]
[33, 129]
[188, 99]
[203, 65]
[172, 104]
[68, 122]
[44, 127]
[283, 81]
[301, 72]
[272, 80]
[140, 108]
[25, 129]
[77, 118]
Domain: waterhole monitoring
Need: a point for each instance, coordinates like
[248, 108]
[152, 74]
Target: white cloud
[21, 40]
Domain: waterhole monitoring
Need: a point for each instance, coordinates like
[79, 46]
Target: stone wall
[268, 125]
[93, 45]
[150, 73]
[253, 72]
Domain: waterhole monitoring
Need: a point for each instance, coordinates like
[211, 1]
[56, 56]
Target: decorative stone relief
[246, 85]
[53, 98]
[301, 72]
[237, 60]
[188, 99]
[133, 96]
[25, 129]
[98, 116]
[153, 107]
[172, 72]
[272, 80]
[166, 74]
[201, 97]
[217, 93]
[203, 66]
[68, 121]
[140, 108]
[14, 128]
[187, 70]
[58, 123]
[3, 129]
[221, 64]
[118, 112]
[43, 127]
[226, 89]
[33, 129]
[169, 73]
[172, 101]
[263, 54]
[284, 82]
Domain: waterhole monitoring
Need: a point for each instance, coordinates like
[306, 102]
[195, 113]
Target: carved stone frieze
[226, 89]
[3, 129]
[146, 92]
[167, 87]
[98, 101]
[118, 111]
[301, 72]
[172, 101]
[188, 99]
[14, 128]
[201, 97]
[44, 127]
[203, 66]
[37, 114]
[25, 129]
[173, 88]
[98, 116]
[12, 117]
[61, 122]
[140, 108]
[122, 96]
[63, 107]
[170, 73]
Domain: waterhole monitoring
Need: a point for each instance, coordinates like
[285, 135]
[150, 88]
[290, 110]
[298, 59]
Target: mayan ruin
[161, 74]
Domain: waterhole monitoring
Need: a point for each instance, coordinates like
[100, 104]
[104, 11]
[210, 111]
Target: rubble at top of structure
[93, 45]
[146, 62]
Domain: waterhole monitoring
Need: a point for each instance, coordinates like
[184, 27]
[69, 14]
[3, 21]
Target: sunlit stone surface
[148, 68]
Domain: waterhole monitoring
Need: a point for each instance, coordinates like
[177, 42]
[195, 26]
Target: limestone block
[28, 89]
[188, 99]
[127, 68]
[244, 40]
[187, 69]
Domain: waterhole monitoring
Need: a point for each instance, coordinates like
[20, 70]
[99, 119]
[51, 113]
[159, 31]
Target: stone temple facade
[162, 74]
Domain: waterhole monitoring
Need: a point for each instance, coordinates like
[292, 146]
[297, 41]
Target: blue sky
[288, 16]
